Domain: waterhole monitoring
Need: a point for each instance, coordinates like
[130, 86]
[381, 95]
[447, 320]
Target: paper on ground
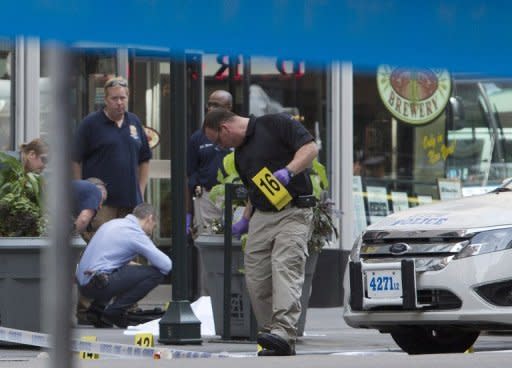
[202, 308]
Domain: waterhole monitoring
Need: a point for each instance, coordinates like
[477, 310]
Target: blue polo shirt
[113, 154]
[203, 161]
[86, 196]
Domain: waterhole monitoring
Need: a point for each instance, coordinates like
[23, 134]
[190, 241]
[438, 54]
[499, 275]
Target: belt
[304, 201]
[98, 281]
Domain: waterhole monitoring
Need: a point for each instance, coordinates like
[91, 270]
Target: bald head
[220, 99]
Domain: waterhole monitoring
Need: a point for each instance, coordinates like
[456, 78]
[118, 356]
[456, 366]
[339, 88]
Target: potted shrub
[20, 200]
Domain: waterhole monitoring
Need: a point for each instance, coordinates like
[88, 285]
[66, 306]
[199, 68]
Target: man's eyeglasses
[44, 159]
[116, 82]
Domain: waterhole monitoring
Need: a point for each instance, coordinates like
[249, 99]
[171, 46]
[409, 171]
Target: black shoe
[275, 343]
[268, 352]
[118, 320]
[94, 318]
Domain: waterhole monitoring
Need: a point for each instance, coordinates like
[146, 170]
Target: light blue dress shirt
[114, 245]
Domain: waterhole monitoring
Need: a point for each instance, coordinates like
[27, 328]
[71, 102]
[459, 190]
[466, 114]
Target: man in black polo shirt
[272, 153]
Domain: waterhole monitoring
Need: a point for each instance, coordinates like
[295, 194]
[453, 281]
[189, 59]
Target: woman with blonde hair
[34, 155]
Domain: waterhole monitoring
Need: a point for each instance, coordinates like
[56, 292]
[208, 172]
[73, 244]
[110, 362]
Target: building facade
[390, 137]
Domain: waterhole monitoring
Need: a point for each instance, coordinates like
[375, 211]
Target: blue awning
[461, 35]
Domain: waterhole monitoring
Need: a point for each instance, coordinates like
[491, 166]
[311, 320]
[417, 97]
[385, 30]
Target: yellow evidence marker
[272, 188]
[145, 340]
[86, 355]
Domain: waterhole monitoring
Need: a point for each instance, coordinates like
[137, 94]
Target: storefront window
[275, 85]
[90, 68]
[150, 101]
[6, 88]
[401, 163]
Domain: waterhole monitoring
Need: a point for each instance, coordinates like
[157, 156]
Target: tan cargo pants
[275, 258]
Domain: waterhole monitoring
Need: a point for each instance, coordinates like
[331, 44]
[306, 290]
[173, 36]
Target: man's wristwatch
[290, 173]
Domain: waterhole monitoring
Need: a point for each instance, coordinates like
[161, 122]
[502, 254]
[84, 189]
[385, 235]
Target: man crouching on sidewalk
[105, 273]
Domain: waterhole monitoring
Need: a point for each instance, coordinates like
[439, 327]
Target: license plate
[384, 284]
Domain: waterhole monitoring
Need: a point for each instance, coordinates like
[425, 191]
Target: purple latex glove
[188, 222]
[240, 227]
[283, 175]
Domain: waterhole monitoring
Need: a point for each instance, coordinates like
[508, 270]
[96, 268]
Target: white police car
[435, 276]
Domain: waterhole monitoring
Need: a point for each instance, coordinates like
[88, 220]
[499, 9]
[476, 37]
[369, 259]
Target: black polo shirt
[113, 154]
[271, 141]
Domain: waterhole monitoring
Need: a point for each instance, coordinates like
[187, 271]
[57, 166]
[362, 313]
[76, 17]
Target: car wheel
[433, 340]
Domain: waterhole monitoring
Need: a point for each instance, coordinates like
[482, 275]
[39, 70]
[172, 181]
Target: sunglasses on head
[116, 82]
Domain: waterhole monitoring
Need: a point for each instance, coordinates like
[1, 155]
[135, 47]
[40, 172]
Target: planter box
[327, 290]
[20, 281]
[211, 251]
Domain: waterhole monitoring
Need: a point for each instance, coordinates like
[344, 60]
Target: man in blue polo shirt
[88, 197]
[110, 144]
[203, 162]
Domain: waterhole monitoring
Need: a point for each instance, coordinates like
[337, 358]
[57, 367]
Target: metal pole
[179, 325]
[246, 108]
[233, 65]
[228, 244]
[56, 295]
[178, 175]
[246, 85]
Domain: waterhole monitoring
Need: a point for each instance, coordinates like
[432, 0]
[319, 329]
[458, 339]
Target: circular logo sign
[416, 96]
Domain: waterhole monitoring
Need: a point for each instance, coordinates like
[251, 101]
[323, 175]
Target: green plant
[323, 225]
[20, 199]
[226, 175]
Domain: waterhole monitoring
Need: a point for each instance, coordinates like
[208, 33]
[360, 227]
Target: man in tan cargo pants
[272, 154]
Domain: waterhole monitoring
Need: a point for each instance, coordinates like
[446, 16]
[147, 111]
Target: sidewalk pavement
[327, 342]
[325, 332]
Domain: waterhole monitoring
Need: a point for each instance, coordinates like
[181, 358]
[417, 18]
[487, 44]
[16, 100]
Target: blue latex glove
[188, 222]
[241, 227]
[283, 176]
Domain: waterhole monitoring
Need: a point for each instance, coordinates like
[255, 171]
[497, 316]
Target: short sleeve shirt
[271, 141]
[86, 195]
[203, 161]
[113, 154]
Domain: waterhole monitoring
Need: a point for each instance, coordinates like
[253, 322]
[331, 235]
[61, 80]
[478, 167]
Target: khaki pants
[275, 258]
[205, 212]
[106, 213]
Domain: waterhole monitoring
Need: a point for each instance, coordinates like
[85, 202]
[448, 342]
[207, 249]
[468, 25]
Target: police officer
[203, 162]
[272, 153]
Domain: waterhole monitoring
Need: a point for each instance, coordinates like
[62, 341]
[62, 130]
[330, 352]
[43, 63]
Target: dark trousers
[127, 286]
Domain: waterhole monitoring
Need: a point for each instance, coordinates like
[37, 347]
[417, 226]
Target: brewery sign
[416, 96]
